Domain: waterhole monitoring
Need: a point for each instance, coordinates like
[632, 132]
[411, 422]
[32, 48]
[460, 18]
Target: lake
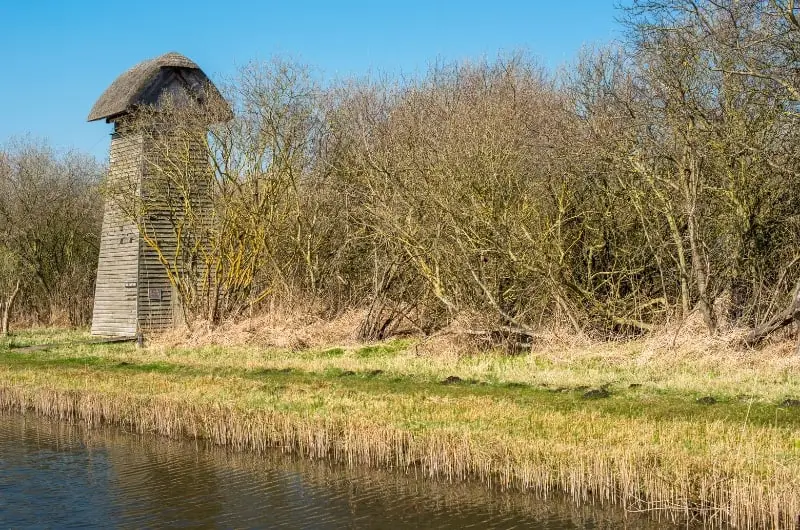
[64, 476]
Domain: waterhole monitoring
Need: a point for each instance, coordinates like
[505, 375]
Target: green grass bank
[687, 434]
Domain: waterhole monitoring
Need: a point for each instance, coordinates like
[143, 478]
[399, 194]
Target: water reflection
[58, 475]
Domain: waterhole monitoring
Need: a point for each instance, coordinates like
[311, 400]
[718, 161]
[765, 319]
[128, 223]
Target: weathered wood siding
[156, 297]
[156, 304]
[159, 303]
[115, 300]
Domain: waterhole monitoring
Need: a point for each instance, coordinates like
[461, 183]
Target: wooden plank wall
[156, 296]
[158, 303]
[115, 300]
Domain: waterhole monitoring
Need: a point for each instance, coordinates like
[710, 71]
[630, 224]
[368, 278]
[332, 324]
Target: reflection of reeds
[722, 472]
[388, 494]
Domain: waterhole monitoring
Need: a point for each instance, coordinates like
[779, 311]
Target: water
[55, 475]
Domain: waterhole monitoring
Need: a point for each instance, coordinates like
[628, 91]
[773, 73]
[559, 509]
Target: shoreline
[398, 500]
[637, 449]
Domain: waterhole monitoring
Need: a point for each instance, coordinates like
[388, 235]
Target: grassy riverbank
[687, 433]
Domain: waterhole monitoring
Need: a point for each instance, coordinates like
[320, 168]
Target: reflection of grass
[520, 421]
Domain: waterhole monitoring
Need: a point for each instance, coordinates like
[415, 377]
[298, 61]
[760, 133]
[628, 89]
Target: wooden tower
[133, 293]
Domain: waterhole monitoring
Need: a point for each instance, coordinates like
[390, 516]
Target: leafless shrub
[50, 214]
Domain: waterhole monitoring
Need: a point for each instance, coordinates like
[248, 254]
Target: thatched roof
[128, 88]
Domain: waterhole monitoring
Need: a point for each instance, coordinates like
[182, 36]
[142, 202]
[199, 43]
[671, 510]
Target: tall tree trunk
[691, 183]
[6, 306]
[682, 266]
[698, 266]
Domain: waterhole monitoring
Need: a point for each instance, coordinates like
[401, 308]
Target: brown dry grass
[681, 357]
[278, 329]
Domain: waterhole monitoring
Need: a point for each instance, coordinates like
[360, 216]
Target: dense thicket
[647, 181]
[50, 213]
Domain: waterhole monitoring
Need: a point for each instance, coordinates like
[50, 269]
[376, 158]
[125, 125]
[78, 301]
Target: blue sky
[58, 56]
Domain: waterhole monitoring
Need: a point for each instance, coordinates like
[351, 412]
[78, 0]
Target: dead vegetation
[275, 329]
[470, 335]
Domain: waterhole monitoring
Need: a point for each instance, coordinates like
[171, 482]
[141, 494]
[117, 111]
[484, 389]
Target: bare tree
[49, 222]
